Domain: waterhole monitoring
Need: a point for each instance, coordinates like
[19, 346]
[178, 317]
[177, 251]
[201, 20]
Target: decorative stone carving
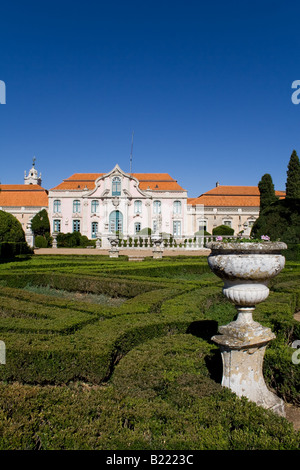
[246, 269]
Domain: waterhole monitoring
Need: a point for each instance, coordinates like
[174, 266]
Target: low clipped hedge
[9, 250]
[153, 353]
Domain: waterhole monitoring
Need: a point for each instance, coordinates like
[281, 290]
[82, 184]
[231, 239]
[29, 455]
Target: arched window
[56, 205]
[76, 206]
[116, 222]
[137, 207]
[157, 207]
[95, 206]
[116, 186]
[177, 207]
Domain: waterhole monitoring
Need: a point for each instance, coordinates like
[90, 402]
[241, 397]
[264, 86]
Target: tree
[280, 220]
[293, 177]
[267, 191]
[40, 224]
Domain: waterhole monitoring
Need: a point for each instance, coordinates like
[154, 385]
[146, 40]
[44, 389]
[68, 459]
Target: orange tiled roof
[231, 196]
[22, 195]
[152, 181]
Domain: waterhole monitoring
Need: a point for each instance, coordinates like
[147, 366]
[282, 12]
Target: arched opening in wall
[116, 222]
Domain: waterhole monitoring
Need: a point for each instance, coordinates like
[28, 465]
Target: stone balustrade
[146, 242]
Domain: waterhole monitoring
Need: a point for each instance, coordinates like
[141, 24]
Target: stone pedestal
[242, 344]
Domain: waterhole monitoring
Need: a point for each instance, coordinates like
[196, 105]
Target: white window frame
[94, 232]
[76, 206]
[177, 228]
[95, 206]
[177, 207]
[138, 207]
[157, 207]
[56, 225]
[57, 206]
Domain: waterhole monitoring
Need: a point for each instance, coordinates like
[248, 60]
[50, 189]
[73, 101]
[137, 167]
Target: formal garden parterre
[109, 354]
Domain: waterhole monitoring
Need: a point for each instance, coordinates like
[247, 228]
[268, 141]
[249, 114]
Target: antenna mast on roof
[131, 152]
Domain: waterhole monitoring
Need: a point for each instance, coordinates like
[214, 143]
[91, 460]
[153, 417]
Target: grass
[100, 299]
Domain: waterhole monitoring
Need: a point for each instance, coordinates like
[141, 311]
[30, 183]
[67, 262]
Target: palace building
[93, 203]
[130, 204]
[235, 206]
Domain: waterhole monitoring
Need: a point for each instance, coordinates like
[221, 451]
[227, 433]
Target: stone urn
[114, 247]
[246, 268]
[157, 247]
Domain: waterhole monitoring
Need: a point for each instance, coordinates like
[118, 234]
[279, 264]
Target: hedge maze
[124, 349]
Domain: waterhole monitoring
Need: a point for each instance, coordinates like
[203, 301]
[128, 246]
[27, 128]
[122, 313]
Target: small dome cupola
[33, 177]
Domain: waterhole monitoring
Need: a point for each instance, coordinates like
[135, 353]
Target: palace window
[116, 186]
[56, 205]
[176, 228]
[157, 207]
[94, 229]
[177, 207]
[76, 206]
[137, 227]
[227, 222]
[95, 206]
[76, 225]
[56, 225]
[154, 226]
[202, 226]
[137, 207]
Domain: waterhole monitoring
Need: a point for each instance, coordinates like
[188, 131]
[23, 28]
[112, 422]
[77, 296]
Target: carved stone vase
[114, 247]
[246, 269]
[157, 247]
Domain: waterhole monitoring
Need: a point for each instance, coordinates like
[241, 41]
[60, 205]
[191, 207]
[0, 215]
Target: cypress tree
[293, 177]
[267, 191]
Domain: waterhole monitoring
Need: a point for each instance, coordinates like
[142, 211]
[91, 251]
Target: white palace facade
[97, 204]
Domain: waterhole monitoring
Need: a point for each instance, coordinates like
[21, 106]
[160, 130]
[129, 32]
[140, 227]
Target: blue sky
[205, 86]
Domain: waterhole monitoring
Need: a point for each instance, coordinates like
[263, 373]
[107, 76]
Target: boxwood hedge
[140, 374]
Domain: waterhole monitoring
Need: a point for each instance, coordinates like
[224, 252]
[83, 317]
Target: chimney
[217, 184]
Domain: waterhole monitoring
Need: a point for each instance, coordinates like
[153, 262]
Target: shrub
[223, 230]
[40, 242]
[10, 228]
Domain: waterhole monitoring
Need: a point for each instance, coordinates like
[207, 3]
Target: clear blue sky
[205, 86]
